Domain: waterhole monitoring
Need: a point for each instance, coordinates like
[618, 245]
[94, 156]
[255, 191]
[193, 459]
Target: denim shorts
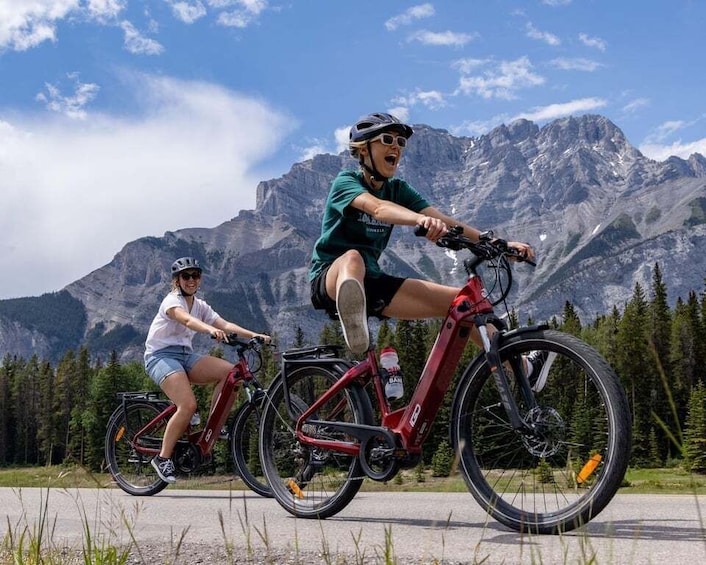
[164, 362]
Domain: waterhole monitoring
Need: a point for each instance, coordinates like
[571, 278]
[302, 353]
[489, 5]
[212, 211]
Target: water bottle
[195, 419]
[394, 387]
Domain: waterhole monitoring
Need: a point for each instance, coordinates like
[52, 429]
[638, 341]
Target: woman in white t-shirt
[170, 360]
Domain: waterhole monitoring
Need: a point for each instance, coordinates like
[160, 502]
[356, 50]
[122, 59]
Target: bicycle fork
[491, 345]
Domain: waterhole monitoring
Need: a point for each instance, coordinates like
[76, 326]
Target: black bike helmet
[184, 263]
[371, 125]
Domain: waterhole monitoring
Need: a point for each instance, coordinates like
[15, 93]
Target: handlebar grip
[420, 231]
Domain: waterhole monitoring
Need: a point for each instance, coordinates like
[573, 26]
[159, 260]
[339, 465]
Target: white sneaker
[350, 303]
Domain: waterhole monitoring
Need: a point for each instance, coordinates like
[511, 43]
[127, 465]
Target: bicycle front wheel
[569, 466]
[132, 471]
[311, 482]
[244, 448]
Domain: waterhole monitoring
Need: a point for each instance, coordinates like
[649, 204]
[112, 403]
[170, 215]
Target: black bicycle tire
[275, 411]
[614, 458]
[239, 444]
[115, 439]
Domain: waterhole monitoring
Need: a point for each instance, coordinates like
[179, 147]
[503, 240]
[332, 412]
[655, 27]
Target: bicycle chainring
[377, 458]
[187, 458]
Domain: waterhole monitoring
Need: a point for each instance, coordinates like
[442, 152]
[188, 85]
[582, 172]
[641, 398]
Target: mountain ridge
[598, 212]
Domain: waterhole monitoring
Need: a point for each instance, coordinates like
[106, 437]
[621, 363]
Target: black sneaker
[537, 369]
[350, 303]
[224, 434]
[165, 469]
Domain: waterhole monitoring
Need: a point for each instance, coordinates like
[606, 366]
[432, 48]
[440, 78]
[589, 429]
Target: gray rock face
[598, 212]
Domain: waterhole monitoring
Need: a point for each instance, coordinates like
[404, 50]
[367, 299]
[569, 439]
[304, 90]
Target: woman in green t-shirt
[361, 210]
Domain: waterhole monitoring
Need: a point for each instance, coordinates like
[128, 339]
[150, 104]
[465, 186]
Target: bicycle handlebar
[487, 247]
[233, 340]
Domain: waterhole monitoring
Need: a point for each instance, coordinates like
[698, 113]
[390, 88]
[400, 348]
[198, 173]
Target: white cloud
[534, 33]
[138, 44]
[24, 25]
[668, 128]
[187, 12]
[432, 99]
[71, 106]
[556, 2]
[503, 81]
[400, 112]
[342, 135]
[596, 42]
[312, 151]
[409, 15]
[444, 38]
[539, 114]
[575, 64]
[554, 111]
[245, 12]
[91, 185]
[681, 149]
[635, 105]
[105, 10]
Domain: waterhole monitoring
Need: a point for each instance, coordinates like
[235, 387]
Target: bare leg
[418, 299]
[178, 388]
[350, 265]
[211, 370]
[344, 284]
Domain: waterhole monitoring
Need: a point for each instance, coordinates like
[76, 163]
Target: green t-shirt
[343, 227]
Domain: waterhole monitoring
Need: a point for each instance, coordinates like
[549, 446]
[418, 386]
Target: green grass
[640, 481]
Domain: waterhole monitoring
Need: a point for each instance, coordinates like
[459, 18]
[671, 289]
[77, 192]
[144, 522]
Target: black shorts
[379, 292]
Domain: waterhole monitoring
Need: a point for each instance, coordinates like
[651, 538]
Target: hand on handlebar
[262, 338]
[524, 250]
[431, 228]
[218, 335]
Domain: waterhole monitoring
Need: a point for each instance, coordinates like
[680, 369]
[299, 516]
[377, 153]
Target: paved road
[424, 527]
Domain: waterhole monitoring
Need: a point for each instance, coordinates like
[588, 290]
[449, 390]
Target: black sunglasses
[389, 139]
[188, 276]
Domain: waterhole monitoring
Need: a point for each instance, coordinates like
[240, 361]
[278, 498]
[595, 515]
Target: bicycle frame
[206, 438]
[411, 424]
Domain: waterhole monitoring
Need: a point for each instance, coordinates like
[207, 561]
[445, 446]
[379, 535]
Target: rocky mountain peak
[598, 212]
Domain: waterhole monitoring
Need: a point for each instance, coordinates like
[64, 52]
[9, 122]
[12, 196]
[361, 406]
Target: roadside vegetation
[673, 480]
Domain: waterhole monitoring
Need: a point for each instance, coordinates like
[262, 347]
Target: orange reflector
[120, 433]
[588, 468]
[294, 488]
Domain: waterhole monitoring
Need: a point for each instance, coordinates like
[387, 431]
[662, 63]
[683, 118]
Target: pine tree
[47, 417]
[636, 369]
[25, 395]
[12, 367]
[102, 402]
[695, 431]
[299, 338]
[682, 357]
[76, 433]
[571, 323]
[659, 340]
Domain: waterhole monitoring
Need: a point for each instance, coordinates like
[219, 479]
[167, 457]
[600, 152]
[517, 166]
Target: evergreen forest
[58, 414]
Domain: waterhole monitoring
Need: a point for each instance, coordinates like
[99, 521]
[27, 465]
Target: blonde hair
[354, 148]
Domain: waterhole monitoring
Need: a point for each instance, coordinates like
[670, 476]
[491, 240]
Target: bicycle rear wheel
[132, 471]
[311, 482]
[565, 472]
[244, 435]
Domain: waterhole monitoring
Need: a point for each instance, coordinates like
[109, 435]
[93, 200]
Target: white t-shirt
[165, 332]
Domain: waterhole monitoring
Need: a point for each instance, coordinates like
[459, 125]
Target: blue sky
[126, 118]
